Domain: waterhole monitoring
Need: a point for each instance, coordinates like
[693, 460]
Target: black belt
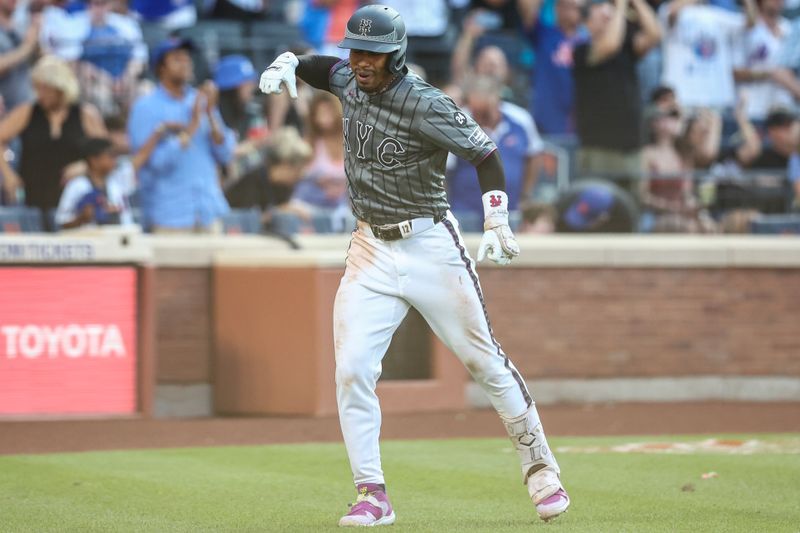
[392, 232]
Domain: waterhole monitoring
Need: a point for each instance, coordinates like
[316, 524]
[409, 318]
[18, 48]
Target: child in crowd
[100, 197]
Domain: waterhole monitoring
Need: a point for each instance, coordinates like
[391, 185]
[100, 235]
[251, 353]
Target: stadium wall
[585, 319]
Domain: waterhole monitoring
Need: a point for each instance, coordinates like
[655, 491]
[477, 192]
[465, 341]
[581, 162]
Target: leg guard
[527, 435]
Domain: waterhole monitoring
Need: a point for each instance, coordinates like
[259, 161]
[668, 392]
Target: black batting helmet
[377, 28]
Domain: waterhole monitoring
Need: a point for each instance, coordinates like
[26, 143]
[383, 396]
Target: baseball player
[407, 249]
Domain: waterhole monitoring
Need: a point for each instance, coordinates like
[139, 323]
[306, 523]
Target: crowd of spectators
[680, 114]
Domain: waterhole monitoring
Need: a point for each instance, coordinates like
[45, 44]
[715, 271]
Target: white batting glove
[498, 242]
[280, 71]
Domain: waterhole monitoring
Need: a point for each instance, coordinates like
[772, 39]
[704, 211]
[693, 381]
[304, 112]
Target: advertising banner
[68, 341]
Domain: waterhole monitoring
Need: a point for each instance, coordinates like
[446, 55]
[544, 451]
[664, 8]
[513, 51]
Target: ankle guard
[528, 438]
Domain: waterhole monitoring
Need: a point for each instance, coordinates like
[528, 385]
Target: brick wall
[571, 322]
[183, 325]
[626, 322]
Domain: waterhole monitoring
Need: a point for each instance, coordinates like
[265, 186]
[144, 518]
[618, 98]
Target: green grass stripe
[441, 486]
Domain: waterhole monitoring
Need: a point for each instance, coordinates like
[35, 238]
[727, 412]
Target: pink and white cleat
[547, 494]
[553, 506]
[372, 508]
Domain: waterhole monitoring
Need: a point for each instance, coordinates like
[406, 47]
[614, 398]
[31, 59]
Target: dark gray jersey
[396, 146]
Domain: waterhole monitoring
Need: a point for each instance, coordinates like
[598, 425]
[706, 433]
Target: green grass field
[441, 486]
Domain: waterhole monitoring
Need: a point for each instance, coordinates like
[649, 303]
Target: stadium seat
[20, 219]
[239, 221]
[322, 221]
[265, 40]
[214, 39]
[153, 34]
[219, 33]
[343, 221]
[563, 149]
[135, 198]
[136, 214]
[285, 223]
[776, 225]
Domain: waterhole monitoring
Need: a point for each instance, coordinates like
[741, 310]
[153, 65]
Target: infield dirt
[17, 436]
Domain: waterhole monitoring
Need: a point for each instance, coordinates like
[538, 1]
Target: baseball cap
[167, 46]
[591, 203]
[779, 117]
[232, 71]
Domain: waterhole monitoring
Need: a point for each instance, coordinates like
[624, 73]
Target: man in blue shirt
[553, 100]
[180, 188]
[513, 131]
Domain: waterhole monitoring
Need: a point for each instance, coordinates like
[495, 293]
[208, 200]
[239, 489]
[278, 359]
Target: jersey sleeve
[339, 76]
[447, 127]
[534, 143]
[67, 209]
[731, 23]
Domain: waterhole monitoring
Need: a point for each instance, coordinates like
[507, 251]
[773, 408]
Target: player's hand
[281, 71]
[499, 245]
[498, 242]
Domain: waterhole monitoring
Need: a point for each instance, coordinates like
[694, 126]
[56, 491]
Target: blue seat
[322, 220]
[285, 223]
[20, 219]
[776, 225]
[153, 34]
[239, 221]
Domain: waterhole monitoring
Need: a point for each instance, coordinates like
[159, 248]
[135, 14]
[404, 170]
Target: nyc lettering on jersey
[73, 341]
[386, 151]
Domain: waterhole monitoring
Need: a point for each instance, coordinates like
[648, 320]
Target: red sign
[67, 340]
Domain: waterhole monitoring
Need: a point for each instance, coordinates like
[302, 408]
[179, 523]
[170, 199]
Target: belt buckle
[387, 232]
[393, 232]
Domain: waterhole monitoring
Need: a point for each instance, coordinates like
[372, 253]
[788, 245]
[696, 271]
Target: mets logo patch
[365, 27]
[460, 118]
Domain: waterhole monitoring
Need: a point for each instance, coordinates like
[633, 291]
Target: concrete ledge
[117, 245]
[186, 251]
[544, 251]
[668, 389]
[184, 401]
[605, 251]
[281, 258]
[656, 251]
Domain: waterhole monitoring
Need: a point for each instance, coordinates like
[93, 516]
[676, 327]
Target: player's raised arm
[312, 69]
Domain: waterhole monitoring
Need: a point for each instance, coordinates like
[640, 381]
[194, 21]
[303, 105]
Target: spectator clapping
[180, 189]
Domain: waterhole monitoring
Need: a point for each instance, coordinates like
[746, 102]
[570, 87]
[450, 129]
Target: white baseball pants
[432, 271]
